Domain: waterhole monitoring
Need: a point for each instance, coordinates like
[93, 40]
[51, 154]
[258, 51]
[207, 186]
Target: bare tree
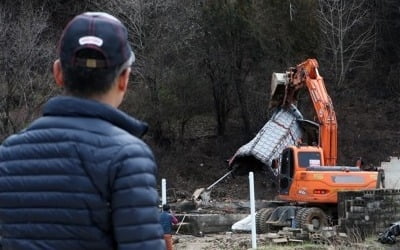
[25, 79]
[172, 74]
[164, 33]
[231, 56]
[348, 31]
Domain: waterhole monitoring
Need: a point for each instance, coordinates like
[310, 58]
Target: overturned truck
[263, 151]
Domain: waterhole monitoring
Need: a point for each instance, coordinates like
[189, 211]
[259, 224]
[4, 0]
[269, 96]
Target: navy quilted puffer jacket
[79, 178]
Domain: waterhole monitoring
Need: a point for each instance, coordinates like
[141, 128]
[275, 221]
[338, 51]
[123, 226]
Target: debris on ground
[389, 235]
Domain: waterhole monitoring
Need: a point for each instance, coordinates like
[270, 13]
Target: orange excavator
[309, 178]
[301, 154]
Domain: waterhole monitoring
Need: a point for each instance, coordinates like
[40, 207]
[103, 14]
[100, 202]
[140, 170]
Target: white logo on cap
[94, 40]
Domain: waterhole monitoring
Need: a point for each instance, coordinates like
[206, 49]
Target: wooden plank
[296, 240]
[280, 240]
[272, 235]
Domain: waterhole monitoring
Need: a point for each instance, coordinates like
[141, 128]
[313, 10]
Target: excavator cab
[296, 159]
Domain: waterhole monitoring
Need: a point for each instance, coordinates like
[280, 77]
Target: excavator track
[315, 217]
[299, 215]
[262, 218]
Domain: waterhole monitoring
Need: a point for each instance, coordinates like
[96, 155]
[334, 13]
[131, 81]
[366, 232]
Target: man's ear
[124, 79]
[57, 73]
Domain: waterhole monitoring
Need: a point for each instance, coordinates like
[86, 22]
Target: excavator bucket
[279, 82]
[204, 194]
[197, 193]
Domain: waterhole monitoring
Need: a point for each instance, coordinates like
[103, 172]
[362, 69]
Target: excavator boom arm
[306, 76]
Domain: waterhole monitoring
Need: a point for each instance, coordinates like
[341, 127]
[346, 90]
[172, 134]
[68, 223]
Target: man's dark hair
[166, 207]
[85, 81]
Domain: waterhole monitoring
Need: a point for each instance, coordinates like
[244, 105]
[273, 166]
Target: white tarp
[242, 225]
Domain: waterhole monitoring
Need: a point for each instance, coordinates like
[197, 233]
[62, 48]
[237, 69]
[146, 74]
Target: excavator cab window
[287, 171]
[287, 162]
[309, 159]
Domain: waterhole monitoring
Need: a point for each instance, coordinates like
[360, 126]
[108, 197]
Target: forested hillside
[202, 76]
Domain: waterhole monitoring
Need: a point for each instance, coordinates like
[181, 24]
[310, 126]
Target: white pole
[163, 192]
[252, 212]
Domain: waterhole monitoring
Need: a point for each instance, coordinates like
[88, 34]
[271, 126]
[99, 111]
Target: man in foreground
[79, 177]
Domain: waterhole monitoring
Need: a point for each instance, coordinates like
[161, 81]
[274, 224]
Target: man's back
[75, 179]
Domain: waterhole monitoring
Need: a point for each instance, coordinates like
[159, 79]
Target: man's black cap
[98, 31]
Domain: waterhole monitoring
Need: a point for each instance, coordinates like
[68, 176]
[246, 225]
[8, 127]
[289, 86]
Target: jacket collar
[74, 106]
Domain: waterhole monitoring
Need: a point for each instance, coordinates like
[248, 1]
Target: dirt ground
[226, 240]
[238, 241]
